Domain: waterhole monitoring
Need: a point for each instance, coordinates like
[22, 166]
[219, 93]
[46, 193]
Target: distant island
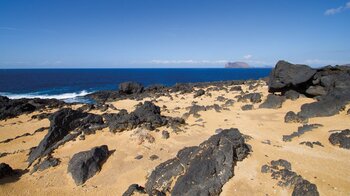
[237, 65]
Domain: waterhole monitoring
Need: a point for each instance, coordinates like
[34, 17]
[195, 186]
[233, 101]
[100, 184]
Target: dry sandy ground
[328, 167]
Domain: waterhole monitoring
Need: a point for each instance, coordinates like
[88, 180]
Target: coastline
[326, 166]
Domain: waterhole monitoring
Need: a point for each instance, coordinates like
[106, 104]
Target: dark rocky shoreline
[328, 86]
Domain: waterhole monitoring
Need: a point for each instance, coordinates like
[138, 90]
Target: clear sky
[172, 33]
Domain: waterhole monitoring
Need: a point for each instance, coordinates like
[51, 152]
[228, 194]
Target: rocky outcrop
[286, 76]
[10, 108]
[341, 139]
[282, 170]
[252, 97]
[62, 123]
[86, 164]
[130, 87]
[200, 170]
[273, 102]
[330, 85]
[147, 114]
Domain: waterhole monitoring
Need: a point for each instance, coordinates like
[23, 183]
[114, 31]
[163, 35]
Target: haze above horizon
[172, 33]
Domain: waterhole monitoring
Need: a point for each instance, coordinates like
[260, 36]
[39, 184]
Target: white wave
[46, 96]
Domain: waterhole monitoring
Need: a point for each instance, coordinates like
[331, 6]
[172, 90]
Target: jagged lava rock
[201, 170]
[86, 164]
[145, 113]
[62, 123]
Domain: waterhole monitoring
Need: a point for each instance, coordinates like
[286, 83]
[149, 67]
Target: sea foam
[63, 96]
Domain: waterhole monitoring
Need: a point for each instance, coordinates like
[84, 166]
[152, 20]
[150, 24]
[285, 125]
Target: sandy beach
[326, 166]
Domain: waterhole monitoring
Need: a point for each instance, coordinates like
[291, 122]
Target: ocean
[71, 84]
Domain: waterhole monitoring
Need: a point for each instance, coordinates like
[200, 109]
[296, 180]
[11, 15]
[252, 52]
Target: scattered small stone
[165, 134]
[138, 157]
[247, 107]
[268, 142]
[311, 144]
[291, 117]
[153, 157]
[134, 188]
[199, 93]
[221, 98]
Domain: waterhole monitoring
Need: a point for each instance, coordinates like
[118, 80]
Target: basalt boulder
[86, 164]
[286, 76]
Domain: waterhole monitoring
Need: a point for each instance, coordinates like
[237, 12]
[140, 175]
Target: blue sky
[172, 33]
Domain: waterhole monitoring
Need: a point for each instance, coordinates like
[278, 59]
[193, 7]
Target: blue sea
[71, 84]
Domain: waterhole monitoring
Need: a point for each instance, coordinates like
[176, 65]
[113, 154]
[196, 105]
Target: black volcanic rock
[330, 85]
[62, 123]
[328, 106]
[86, 164]
[286, 76]
[200, 170]
[6, 170]
[146, 114]
[252, 97]
[292, 95]
[342, 139]
[130, 87]
[273, 102]
[292, 117]
[10, 108]
[199, 93]
[247, 107]
[282, 170]
[134, 188]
